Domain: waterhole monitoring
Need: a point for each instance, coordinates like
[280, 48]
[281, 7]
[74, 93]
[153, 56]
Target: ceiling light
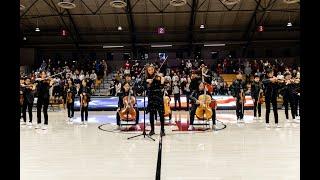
[119, 28]
[24, 38]
[161, 45]
[112, 46]
[213, 45]
[201, 26]
[289, 24]
[37, 28]
[66, 4]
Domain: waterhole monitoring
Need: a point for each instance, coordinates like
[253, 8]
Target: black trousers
[256, 106]
[70, 108]
[84, 113]
[24, 111]
[152, 115]
[177, 99]
[239, 109]
[272, 101]
[188, 99]
[137, 117]
[286, 102]
[297, 105]
[42, 103]
[193, 113]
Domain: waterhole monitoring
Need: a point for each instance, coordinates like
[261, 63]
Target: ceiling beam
[131, 26]
[251, 33]
[74, 39]
[192, 21]
[159, 13]
[28, 9]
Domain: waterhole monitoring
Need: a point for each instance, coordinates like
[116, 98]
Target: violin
[84, 100]
[128, 112]
[69, 96]
[21, 98]
[204, 110]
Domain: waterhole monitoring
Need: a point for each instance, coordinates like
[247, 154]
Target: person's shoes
[162, 133]
[190, 128]
[267, 125]
[37, 126]
[45, 127]
[214, 127]
[298, 117]
[151, 133]
[255, 118]
[23, 123]
[29, 124]
[278, 126]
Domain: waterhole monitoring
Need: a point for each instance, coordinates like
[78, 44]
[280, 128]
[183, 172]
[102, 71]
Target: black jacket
[236, 87]
[255, 89]
[28, 95]
[270, 89]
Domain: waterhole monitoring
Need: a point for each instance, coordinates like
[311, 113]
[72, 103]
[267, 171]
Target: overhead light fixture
[291, 1]
[67, 4]
[22, 7]
[178, 3]
[289, 22]
[161, 45]
[230, 2]
[112, 46]
[202, 26]
[118, 3]
[37, 28]
[213, 45]
[24, 38]
[119, 28]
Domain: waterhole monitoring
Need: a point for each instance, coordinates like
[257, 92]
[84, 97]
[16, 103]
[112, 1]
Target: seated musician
[125, 92]
[195, 103]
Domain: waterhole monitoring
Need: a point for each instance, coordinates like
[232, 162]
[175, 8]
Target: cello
[204, 111]
[128, 112]
[166, 102]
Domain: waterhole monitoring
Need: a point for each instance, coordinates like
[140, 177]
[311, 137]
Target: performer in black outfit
[270, 85]
[296, 93]
[256, 94]
[195, 103]
[71, 91]
[84, 93]
[154, 84]
[28, 97]
[43, 86]
[125, 89]
[21, 98]
[237, 89]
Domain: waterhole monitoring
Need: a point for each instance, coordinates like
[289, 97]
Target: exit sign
[161, 30]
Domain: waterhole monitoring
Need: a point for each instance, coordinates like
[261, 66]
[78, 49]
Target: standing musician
[43, 85]
[256, 94]
[84, 93]
[206, 73]
[71, 91]
[154, 84]
[122, 105]
[288, 94]
[237, 90]
[21, 97]
[28, 98]
[195, 104]
[297, 95]
[270, 85]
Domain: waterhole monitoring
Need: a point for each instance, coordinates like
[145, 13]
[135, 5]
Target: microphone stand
[144, 134]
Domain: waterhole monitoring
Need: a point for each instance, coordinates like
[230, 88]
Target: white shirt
[175, 78]
[93, 76]
[81, 77]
